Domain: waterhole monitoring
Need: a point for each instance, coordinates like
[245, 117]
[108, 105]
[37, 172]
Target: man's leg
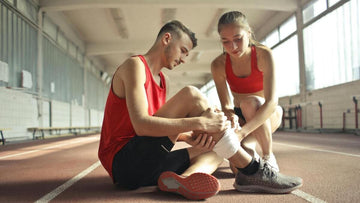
[195, 182]
[190, 102]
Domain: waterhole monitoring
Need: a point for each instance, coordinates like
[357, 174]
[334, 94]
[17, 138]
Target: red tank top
[117, 129]
[252, 83]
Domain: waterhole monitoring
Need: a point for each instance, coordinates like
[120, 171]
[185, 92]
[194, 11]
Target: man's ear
[166, 38]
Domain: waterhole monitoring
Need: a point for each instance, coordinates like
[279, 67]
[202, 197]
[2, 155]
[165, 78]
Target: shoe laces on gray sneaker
[271, 161]
[266, 179]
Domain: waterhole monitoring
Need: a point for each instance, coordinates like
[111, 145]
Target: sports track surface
[67, 169]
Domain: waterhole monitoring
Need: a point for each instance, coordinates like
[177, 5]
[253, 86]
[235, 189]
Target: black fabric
[238, 112]
[250, 169]
[141, 161]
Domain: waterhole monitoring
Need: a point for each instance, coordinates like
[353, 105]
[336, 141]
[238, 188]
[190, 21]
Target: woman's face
[234, 39]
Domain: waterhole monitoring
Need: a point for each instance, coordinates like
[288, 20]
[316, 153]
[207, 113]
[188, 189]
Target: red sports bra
[252, 83]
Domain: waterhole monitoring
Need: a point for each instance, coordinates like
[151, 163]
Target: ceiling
[109, 31]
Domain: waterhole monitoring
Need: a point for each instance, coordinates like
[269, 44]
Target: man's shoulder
[131, 64]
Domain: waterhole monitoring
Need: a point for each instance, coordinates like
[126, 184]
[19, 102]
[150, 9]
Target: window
[286, 59]
[50, 28]
[332, 53]
[287, 28]
[333, 2]
[272, 38]
[28, 9]
[313, 9]
[72, 49]
[11, 1]
[62, 41]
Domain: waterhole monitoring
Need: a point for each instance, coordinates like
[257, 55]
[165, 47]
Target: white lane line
[50, 196]
[319, 150]
[46, 148]
[307, 196]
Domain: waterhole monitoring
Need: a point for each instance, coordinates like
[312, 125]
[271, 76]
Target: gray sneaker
[266, 179]
[271, 160]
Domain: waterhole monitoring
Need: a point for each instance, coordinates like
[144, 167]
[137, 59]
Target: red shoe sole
[197, 186]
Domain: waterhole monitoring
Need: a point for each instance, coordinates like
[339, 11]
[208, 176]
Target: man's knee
[193, 92]
[195, 99]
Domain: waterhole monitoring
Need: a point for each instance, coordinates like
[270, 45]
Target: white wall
[19, 111]
[77, 116]
[60, 112]
[335, 100]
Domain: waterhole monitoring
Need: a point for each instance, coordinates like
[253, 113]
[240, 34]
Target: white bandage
[228, 145]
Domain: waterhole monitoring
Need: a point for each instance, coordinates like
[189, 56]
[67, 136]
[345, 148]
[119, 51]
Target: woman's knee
[250, 105]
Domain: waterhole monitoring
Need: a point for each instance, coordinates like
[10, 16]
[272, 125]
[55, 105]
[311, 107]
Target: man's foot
[197, 186]
[266, 179]
[271, 161]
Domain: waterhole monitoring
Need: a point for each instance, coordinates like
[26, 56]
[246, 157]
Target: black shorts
[238, 112]
[141, 161]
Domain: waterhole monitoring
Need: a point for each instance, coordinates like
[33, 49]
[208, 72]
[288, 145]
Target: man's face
[177, 50]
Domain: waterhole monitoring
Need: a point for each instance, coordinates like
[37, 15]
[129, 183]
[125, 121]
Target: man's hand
[201, 141]
[214, 121]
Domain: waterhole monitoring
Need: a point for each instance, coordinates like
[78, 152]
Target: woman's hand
[233, 118]
[241, 134]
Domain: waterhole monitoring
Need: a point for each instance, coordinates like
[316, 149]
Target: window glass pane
[286, 59]
[62, 41]
[11, 1]
[332, 2]
[272, 38]
[287, 27]
[79, 57]
[313, 9]
[1, 31]
[28, 9]
[87, 64]
[50, 28]
[332, 52]
[72, 49]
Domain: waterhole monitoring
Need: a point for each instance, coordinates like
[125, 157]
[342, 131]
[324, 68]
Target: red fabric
[252, 83]
[117, 129]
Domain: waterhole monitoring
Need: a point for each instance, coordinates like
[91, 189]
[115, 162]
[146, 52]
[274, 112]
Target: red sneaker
[197, 186]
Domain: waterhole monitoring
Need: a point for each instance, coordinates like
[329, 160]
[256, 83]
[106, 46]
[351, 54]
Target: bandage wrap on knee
[228, 145]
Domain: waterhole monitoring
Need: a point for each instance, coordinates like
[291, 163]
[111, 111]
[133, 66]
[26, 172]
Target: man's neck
[154, 61]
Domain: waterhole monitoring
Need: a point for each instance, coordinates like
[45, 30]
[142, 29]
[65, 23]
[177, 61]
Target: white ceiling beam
[119, 20]
[61, 5]
[140, 46]
[168, 14]
[214, 22]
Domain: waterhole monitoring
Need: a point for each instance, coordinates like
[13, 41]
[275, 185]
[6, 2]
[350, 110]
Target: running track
[67, 170]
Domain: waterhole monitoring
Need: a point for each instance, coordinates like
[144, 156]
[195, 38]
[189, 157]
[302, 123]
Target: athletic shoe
[252, 153]
[266, 179]
[197, 186]
[271, 161]
[256, 156]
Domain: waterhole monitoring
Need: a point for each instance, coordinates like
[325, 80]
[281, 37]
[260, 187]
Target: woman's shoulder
[263, 51]
[219, 61]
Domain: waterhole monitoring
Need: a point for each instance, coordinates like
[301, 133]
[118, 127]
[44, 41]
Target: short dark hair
[176, 27]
